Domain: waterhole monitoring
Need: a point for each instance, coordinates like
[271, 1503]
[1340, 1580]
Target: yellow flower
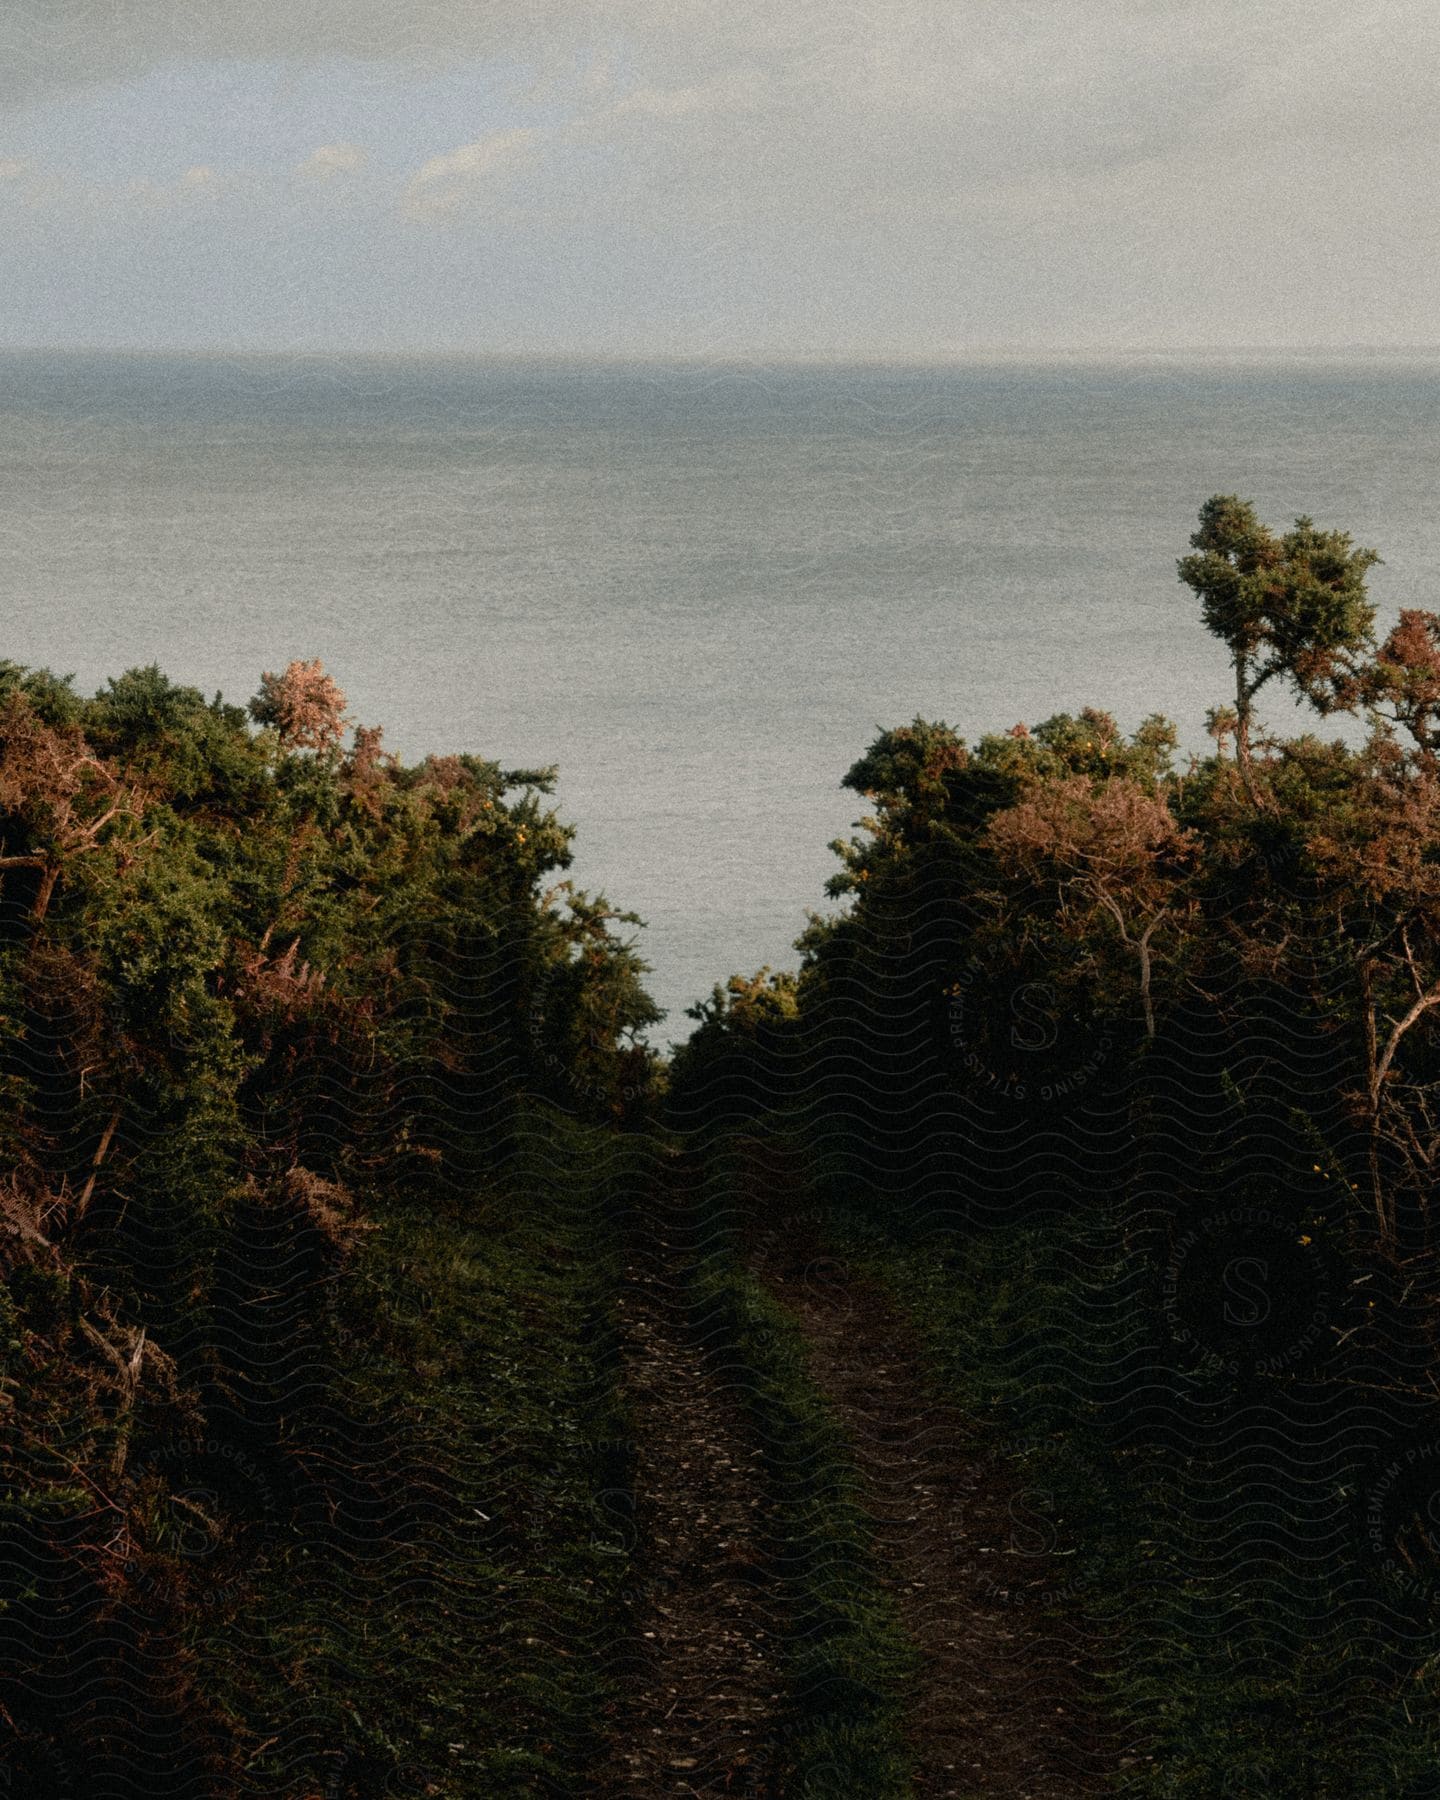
[1304, 1240]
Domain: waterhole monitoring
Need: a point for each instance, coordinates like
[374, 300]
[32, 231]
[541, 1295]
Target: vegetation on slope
[314, 1092]
[1127, 1072]
[324, 1123]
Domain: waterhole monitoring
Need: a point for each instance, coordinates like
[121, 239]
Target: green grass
[452, 1632]
[846, 1655]
[1228, 1672]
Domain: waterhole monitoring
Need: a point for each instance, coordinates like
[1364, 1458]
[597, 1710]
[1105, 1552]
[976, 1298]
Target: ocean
[699, 590]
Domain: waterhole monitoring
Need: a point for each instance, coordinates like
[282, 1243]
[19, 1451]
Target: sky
[907, 179]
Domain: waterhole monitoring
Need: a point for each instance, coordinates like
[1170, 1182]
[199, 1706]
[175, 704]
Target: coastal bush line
[325, 1104]
[1124, 1069]
[313, 1066]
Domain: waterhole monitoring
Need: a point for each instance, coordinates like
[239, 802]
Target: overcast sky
[905, 178]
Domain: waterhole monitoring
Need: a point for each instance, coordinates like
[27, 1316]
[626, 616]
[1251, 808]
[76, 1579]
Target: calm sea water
[700, 591]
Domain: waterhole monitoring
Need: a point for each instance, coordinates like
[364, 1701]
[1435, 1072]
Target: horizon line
[939, 358]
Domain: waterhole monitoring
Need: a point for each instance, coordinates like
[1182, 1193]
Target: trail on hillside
[700, 1679]
[996, 1709]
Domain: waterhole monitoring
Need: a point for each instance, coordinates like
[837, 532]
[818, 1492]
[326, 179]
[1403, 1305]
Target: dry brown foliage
[1384, 850]
[118, 1359]
[366, 767]
[1110, 849]
[445, 772]
[455, 788]
[1378, 859]
[327, 1206]
[281, 987]
[25, 1211]
[1403, 682]
[63, 795]
[1114, 835]
[304, 705]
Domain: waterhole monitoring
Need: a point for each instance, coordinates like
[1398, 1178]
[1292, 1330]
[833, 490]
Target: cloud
[471, 174]
[200, 183]
[330, 160]
[925, 170]
[731, 92]
[678, 42]
[976, 86]
[58, 195]
[74, 43]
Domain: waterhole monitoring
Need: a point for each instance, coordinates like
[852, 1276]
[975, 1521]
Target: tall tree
[1293, 606]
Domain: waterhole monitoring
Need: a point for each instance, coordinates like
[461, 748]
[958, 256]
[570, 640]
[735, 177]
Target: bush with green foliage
[265, 1002]
[1174, 1028]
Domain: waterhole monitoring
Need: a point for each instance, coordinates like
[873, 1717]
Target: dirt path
[702, 1684]
[965, 1549]
[970, 1553]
